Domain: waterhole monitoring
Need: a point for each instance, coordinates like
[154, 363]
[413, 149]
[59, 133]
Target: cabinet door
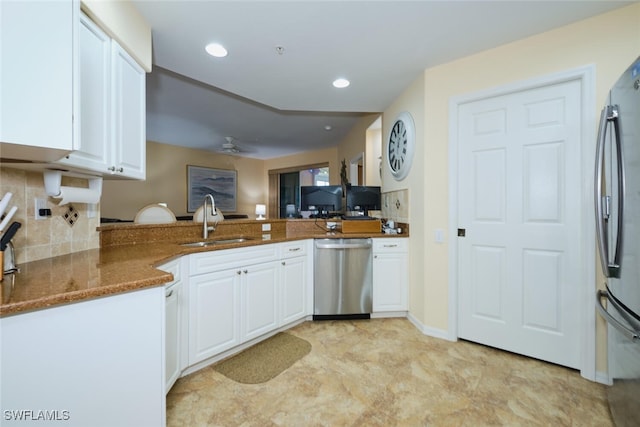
[172, 334]
[294, 289]
[94, 151]
[39, 42]
[260, 299]
[390, 282]
[214, 313]
[129, 115]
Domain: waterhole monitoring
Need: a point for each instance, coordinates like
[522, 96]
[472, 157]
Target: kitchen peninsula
[99, 315]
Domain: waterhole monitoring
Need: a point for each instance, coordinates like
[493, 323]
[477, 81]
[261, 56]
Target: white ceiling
[278, 104]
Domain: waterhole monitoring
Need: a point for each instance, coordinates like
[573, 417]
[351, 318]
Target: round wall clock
[401, 145]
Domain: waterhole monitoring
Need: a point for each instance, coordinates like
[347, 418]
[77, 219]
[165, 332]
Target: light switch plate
[266, 227]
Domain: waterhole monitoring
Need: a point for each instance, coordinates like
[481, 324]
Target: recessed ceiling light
[216, 49]
[327, 127]
[341, 83]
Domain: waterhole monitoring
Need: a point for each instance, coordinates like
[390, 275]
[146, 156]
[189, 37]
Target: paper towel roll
[77, 195]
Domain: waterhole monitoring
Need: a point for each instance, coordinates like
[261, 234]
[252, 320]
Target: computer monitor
[324, 199]
[363, 198]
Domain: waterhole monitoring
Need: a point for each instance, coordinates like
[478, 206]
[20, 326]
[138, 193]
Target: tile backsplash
[53, 236]
[395, 205]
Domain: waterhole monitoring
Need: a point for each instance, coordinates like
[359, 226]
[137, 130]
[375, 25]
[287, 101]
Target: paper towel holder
[53, 187]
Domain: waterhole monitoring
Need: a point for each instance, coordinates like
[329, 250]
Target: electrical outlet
[40, 207]
[266, 227]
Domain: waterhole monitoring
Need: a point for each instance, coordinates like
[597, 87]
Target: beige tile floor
[384, 372]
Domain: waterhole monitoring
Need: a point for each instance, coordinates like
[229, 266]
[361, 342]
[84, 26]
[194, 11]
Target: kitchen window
[284, 186]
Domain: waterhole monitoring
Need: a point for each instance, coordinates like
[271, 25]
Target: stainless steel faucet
[207, 228]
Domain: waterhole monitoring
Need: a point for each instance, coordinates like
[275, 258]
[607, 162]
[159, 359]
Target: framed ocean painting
[222, 184]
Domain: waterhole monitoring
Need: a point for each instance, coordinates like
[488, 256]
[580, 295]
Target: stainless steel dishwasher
[342, 279]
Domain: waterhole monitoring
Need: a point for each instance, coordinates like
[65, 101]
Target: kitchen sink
[223, 241]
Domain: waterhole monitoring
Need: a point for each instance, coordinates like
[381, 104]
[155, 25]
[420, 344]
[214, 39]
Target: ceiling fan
[229, 147]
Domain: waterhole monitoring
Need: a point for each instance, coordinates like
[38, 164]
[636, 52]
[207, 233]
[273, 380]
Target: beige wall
[354, 144]
[372, 155]
[167, 178]
[610, 42]
[412, 100]
[328, 155]
[167, 182]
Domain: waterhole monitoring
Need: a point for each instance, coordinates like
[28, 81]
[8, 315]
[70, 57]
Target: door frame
[353, 169]
[586, 298]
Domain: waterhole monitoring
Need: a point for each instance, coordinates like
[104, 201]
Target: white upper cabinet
[129, 114]
[37, 60]
[95, 73]
[112, 127]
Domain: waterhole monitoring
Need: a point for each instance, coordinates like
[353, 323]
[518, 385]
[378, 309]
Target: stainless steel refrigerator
[617, 201]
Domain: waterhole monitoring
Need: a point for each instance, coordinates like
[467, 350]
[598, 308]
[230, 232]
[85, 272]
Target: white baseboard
[387, 314]
[603, 378]
[429, 331]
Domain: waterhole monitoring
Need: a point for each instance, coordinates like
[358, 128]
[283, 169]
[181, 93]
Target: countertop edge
[73, 297]
[145, 273]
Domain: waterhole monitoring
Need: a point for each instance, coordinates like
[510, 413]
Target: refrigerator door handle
[602, 202]
[632, 334]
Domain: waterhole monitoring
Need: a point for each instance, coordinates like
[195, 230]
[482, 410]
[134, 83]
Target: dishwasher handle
[322, 245]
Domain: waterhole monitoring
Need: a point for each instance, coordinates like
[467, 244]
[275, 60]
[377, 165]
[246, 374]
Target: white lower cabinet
[259, 308]
[231, 306]
[296, 281]
[390, 274]
[173, 324]
[214, 313]
[91, 363]
[231, 302]
[172, 336]
[294, 292]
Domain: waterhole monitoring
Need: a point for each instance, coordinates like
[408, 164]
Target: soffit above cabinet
[122, 21]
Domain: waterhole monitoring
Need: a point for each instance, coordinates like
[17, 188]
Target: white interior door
[519, 203]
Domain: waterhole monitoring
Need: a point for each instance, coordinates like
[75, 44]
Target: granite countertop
[117, 268]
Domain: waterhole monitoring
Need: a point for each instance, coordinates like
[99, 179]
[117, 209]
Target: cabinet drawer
[294, 249]
[206, 262]
[390, 245]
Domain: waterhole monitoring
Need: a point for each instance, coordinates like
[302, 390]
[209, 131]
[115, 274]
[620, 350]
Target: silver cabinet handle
[609, 114]
[113, 169]
[632, 334]
[238, 272]
[169, 294]
[284, 263]
[390, 246]
[245, 271]
[343, 245]
[294, 249]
